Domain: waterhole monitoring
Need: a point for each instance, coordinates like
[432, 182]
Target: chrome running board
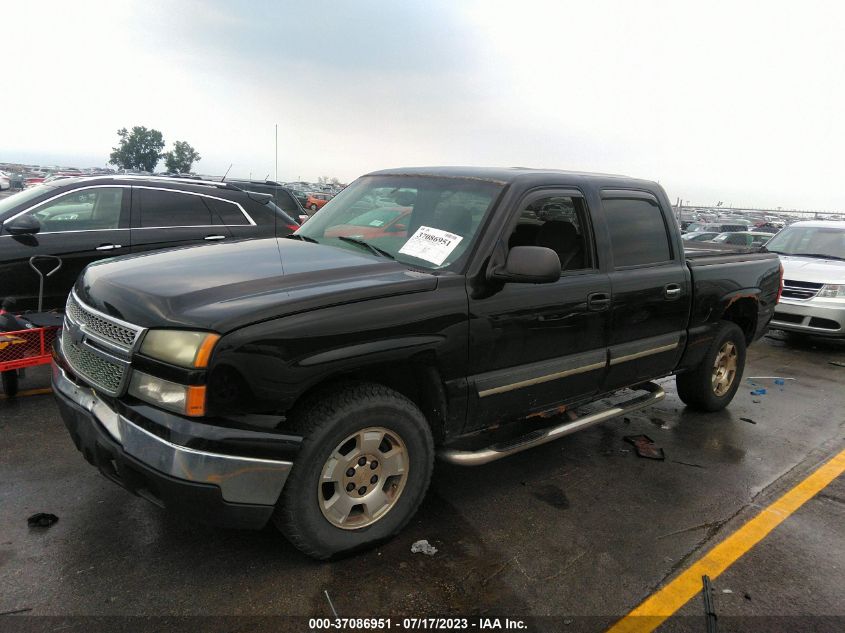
[535, 438]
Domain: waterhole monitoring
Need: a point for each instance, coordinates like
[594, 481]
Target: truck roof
[507, 175]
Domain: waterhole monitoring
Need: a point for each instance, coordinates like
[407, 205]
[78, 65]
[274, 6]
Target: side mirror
[531, 265]
[25, 225]
[397, 228]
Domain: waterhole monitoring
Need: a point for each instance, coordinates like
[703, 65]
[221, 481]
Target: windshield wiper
[374, 249]
[819, 255]
[304, 238]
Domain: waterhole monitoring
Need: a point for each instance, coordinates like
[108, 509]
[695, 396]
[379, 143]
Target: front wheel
[712, 385]
[361, 474]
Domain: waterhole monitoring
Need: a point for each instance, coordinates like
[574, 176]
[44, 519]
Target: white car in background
[5, 181]
[813, 258]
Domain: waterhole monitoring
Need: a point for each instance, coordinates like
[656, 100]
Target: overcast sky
[738, 102]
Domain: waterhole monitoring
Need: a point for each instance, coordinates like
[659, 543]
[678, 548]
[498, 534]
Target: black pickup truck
[467, 313]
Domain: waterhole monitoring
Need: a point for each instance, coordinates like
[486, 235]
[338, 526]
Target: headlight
[178, 347]
[184, 399]
[832, 291]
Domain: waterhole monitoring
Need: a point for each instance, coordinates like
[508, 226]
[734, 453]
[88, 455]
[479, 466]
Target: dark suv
[285, 198]
[79, 220]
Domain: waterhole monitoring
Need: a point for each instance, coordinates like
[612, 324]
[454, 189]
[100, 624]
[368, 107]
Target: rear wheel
[712, 385]
[362, 471]
[313, 207]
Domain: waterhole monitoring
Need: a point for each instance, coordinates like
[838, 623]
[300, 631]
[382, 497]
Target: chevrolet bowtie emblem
[76, 334]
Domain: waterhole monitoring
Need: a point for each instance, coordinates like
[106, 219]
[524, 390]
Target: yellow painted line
[662, 604]
[28, 392]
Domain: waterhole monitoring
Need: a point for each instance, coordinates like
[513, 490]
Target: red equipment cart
[29, 347]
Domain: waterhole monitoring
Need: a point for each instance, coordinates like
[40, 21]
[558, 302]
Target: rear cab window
[638, 232]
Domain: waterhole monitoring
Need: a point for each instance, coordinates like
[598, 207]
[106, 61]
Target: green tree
[138, 149]
[181, 158]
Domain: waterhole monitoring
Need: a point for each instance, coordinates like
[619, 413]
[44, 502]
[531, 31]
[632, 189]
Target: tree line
[141, 149]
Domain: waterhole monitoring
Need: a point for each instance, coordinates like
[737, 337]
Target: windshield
[424, 221]
[23, 197]
[815, 241]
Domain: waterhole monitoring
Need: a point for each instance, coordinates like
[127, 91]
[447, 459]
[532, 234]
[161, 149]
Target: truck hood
[222, 287]
[813, 269]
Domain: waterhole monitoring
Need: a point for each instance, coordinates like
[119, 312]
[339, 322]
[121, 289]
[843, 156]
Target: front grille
[95, 369]
[800, 289]
[100, 326]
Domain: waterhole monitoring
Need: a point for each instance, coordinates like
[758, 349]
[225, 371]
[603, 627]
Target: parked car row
[747, 239]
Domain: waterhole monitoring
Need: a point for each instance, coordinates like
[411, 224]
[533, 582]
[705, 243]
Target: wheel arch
[416, 379]
[743, 309]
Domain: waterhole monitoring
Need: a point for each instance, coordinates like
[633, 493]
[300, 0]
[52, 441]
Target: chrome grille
[100, 326]
[800, 289]
[95, 369]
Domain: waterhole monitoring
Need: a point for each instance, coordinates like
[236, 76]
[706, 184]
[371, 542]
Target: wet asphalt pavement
[578, 527]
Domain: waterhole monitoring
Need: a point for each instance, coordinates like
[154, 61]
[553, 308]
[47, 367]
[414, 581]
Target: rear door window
[162, 208]
[638, 232]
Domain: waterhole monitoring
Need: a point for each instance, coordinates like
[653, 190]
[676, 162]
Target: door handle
[598, 301]
[671, 291]
[214, 238]
[108, 247]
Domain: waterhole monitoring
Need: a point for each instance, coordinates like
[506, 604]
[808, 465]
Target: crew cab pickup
[312, 379]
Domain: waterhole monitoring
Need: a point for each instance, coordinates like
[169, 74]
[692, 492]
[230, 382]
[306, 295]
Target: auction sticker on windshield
[432, 245]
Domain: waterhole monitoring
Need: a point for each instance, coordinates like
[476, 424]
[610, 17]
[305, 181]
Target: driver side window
[559, 223]
[82, 210]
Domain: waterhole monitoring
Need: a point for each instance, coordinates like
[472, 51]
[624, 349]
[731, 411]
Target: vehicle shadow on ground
[151, 561]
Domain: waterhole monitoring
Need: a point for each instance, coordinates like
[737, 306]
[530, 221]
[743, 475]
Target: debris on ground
[423, 547]
[748, 420]
[645, 447]
[758, 392]
[756, 401]
[837, 363]
[709, 608]
[326, 592]
[727, 591]
[675, 461]
[660, 424]
[14, 611]
[42, 520]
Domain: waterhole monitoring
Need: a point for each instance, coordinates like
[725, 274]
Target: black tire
[10, 383]
[695, 387]
[325, 422]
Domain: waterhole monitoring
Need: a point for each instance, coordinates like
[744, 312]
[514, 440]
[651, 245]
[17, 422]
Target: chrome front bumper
[241, 480]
